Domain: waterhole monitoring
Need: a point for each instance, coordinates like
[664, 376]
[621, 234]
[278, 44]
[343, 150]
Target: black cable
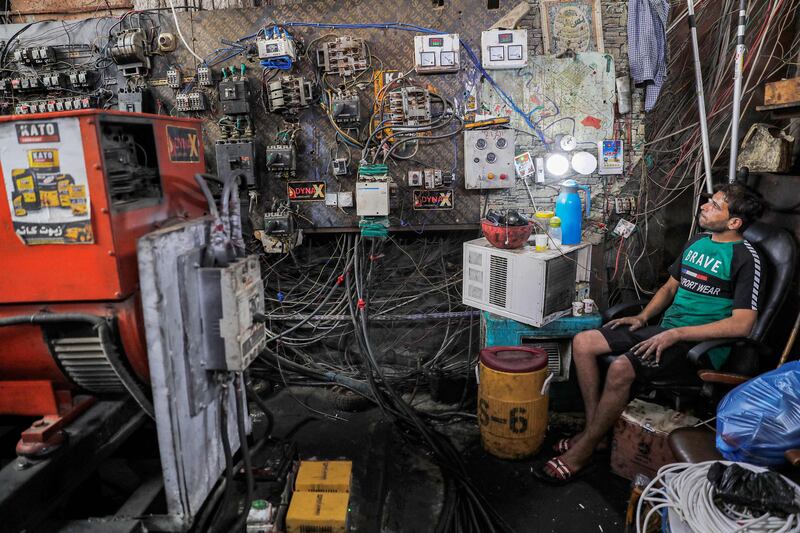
[226, 450]
[241, 406]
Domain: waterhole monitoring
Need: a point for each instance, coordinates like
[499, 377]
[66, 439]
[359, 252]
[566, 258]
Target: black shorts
[673, 363]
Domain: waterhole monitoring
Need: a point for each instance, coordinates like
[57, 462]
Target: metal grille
[498, 280]
[560, 283]
[84, 360]
[553, 354]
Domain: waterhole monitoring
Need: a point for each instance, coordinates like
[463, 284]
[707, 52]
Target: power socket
[624, 228]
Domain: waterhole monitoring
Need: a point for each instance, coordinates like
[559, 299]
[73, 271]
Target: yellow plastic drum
[512, 412]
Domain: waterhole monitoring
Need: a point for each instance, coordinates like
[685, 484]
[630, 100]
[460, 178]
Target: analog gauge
[448, 59]
[427, 59]
[496, 53]
[515, 52]
[491, 157]
[568, 143]
[480, 144]
[501, 143]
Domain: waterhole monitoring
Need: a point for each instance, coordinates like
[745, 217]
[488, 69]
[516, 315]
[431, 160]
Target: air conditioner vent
[498, 280]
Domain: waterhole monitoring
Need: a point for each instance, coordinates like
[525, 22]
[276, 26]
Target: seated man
[712, 292]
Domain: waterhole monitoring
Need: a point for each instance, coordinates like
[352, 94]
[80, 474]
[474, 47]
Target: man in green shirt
[713, 292]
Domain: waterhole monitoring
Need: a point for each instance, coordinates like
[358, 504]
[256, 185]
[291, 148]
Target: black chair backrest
[779, 255]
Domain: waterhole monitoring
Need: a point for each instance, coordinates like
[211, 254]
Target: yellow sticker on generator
[43, 158]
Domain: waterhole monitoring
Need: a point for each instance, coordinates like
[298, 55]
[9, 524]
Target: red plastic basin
[506, 237]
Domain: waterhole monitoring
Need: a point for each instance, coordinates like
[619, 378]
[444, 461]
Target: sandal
[557, 472]
[562, 446]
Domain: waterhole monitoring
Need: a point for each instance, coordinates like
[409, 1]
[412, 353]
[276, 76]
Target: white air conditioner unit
[524, 285]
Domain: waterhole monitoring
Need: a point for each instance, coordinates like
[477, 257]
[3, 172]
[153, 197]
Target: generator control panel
[489, 159]
[504, 49]
[436, 53]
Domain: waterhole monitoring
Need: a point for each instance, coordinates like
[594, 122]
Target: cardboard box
[782, 92]
[640, 443]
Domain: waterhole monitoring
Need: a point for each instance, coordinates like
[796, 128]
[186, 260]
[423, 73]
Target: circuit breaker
[289, 94]
[489, 159]
[191, 101]
[204, 77]
[343, 56]
[237, 158]
[504, 49]
[346, 108]
[134, 100]
[281, 159]
[435, 54]
[234, 95]
[409, 106]
[230, 299]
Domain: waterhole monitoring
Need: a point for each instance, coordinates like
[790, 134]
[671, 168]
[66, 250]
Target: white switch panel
[436, 53]
[504, 49]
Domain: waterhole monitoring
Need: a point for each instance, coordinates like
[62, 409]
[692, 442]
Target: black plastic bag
[765, 492]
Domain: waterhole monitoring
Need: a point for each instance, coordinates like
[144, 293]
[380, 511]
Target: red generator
[81, 187]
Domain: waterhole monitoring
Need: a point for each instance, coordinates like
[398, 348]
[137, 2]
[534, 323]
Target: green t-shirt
[715, 278]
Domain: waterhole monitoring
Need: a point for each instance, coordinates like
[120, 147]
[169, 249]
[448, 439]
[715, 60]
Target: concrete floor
[396, 489]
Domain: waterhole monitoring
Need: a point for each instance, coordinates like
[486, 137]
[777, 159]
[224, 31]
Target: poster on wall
[46, 186]
[571, 25]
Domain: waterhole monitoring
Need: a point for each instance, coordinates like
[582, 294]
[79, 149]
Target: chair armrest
[624, 309]
[793, 456]
[723, 378]
[699, 350]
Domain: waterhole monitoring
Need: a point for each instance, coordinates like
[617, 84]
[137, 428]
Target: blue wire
[410, 27]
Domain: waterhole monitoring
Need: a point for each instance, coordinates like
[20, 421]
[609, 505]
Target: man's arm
[660, 301]
[739, 324]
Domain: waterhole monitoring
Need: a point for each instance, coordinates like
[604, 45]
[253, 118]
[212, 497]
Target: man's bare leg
[612, 402]
[587, 346]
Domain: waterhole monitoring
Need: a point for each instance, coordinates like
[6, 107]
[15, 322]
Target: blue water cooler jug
[568, 209]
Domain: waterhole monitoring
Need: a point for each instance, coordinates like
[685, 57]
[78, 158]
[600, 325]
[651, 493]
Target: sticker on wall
[183, 144]
[433, 200]
[306, 191]
[45, 182]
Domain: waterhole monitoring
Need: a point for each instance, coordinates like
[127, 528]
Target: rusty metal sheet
[394, 49]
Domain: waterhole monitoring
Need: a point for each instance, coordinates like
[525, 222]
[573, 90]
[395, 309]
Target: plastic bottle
[568, 209]
[555, 231]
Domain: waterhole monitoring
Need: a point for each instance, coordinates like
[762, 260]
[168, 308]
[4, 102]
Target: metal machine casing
[101, 277]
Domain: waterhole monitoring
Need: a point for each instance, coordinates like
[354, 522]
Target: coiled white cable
[684, 487]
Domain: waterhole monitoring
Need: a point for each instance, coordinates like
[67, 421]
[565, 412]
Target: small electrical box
[191, 101]
[611, 160]
[174, 78]
[204, 77]
[489, 159]
[415, 178]
[281, 45]
[345, 199]
[230, 297]
[237, 158]
[435, 54]
[504, 49]
[372, 198]
[339, 167]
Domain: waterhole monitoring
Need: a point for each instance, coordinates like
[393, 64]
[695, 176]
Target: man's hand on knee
[635, 322]
[655, 345]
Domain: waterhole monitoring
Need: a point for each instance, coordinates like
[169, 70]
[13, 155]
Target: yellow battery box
[323, 512]
[324, 476]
